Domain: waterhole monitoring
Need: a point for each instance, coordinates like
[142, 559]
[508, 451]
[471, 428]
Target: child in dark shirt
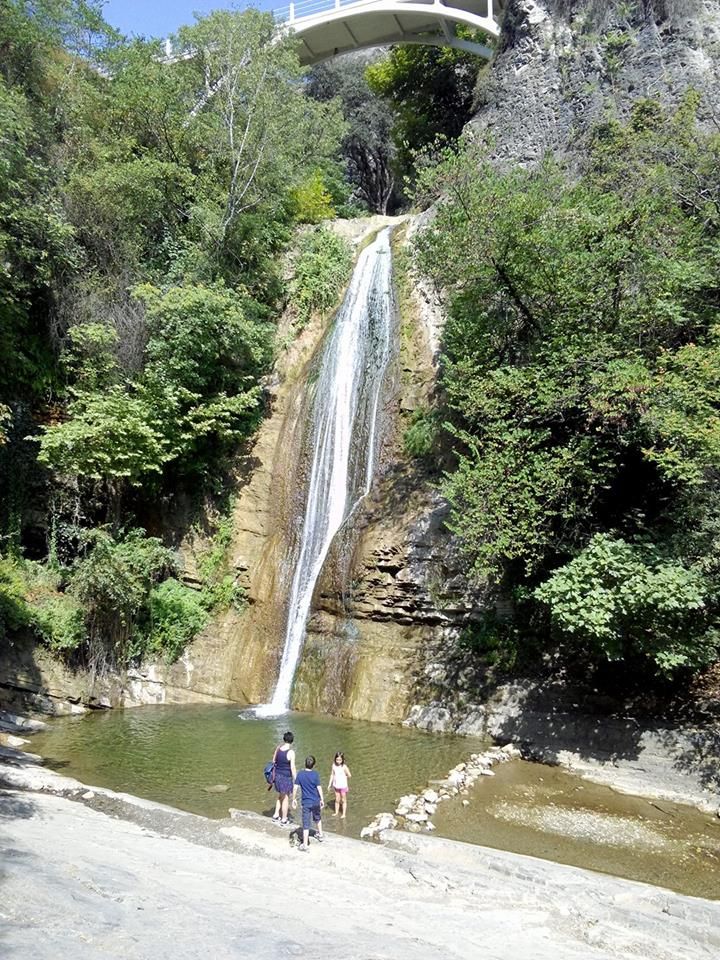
[308, 781]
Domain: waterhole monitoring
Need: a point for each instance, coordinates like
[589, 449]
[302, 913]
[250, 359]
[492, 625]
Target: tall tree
[368, 148]
[430, 90]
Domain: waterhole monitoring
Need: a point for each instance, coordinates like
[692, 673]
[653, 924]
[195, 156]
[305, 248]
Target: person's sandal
[303, 848]
[319, 837]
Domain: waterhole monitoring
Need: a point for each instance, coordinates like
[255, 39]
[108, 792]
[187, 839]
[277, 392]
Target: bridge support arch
[328, 28]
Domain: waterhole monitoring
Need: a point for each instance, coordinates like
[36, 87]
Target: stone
[466, 803]
[417, 817]
[383, 821]
[217, 788]
[430, 808]
[88, 795]
[10, 740]
[430, 796]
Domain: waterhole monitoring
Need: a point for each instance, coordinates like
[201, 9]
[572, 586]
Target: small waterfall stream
[343, 434]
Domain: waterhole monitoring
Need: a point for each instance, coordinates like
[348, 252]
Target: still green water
[178, 754]
[175, 754]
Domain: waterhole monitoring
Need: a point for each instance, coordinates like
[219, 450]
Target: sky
[159, 18]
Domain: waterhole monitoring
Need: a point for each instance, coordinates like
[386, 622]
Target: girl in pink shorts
[339, 776]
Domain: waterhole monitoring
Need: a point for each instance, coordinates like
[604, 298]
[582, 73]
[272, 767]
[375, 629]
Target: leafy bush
[14, 612]
[176, 615]
[420, 435]
[219, 589]
[312, 200]
[60, 622]
[113, 583]
[110, 436]
[323, 267]
[30, 599]
[623, 600]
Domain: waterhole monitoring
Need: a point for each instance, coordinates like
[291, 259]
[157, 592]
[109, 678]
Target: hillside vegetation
[581, 385]
[144, 209]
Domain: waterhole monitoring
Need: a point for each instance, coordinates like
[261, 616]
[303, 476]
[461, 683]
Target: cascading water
[343, 440]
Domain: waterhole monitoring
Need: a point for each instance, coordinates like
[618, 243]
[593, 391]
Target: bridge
[328, 28]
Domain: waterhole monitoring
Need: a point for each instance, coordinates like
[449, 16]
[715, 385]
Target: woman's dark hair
[288, 737]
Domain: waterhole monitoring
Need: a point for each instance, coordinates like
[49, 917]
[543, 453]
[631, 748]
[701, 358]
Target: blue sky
[158, 18]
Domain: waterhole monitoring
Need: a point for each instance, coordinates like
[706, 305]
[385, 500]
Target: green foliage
[176, 615]
[14, 614]
[30, 600]
[430, 90]
[322, 268]
[112, 437]
[312, 201]
[367, 148]
[60, 622]
[421, 433]
[491, 640]
[219, 589]
[113, 582]
[580, 367]
[622, 600]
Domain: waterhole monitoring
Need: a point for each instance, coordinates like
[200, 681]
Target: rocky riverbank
[94, 874]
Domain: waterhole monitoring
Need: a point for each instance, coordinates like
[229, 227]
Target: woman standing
[285, 772]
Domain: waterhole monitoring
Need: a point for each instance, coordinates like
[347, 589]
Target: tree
[258, 129]
[367, 146]
[430, 90]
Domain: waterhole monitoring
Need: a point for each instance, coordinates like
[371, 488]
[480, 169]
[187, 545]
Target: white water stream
[344, 438]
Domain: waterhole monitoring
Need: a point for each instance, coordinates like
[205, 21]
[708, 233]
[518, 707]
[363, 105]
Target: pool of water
[206, 759]
[184, 755]
[546, 812]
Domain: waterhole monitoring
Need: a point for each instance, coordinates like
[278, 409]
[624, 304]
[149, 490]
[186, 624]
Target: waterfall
[343, 427]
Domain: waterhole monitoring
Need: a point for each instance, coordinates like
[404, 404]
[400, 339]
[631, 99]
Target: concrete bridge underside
[328, 28]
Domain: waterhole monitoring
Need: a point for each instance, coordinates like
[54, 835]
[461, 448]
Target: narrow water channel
[206, 759]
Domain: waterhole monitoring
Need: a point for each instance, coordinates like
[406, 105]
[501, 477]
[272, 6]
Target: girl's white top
[339, 777]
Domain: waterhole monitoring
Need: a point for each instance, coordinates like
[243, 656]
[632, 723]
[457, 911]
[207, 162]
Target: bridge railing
[308, 8]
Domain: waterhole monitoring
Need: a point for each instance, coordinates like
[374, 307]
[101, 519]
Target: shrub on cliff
[323, 267]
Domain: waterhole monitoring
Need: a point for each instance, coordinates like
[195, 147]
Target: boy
[308, 780]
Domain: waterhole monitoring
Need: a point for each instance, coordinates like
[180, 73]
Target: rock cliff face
[564, 65]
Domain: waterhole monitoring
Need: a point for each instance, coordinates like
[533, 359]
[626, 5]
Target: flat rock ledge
[95, 875]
